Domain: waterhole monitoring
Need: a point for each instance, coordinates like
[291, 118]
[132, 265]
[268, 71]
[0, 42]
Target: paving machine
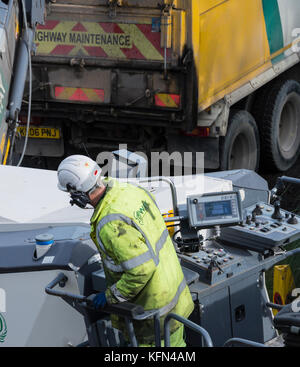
[229, 230]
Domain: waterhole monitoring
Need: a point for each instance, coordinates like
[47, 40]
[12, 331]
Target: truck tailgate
[139, 30]
[93, 58]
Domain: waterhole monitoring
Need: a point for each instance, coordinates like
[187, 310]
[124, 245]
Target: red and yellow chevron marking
[104, 40]
[2, 153]
[167, 100]
[79, 94]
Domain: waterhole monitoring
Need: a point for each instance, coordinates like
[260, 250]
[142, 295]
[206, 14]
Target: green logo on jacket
[141, 212]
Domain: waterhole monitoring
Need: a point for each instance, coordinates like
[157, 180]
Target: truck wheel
[240, 148]
[278, 117]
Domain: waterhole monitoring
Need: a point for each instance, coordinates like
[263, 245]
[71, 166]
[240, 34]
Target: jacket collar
[109, 183]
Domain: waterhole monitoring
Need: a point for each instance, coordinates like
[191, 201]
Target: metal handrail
[274, 306]
[172, 187]
[243, 342]
[62, 278]
[189, 324]
[139, 315]
[129, 313]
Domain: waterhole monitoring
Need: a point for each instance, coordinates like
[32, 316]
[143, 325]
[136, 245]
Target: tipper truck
[214, 76]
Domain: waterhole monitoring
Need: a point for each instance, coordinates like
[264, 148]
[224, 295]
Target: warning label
[89, 39]
[99, 39]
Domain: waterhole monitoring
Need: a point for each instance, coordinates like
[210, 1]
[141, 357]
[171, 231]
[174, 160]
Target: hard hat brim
[61, 188]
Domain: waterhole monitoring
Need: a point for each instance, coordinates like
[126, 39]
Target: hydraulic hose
[30, 84]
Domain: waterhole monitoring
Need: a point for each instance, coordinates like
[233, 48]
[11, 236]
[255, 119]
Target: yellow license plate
[40, 132]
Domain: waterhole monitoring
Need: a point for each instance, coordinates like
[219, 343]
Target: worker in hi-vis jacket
[139, 259]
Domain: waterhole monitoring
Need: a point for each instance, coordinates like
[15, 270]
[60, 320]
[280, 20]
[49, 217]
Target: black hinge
[113, 4]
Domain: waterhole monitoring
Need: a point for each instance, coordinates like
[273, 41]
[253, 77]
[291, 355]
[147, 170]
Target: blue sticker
[155, 25]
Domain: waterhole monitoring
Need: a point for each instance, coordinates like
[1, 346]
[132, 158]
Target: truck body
[16, 42]
[165, 75]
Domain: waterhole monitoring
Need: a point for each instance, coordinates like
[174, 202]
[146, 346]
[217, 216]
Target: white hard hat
[79, 172]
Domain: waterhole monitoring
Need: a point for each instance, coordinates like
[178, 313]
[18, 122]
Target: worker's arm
[125, 245]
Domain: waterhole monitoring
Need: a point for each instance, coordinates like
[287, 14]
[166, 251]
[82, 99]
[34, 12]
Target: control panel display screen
[214, 210]
[217, 209]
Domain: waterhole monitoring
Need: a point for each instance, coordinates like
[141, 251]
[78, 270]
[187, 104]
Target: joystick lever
[257, 211]
[293, 219]
[277, 214]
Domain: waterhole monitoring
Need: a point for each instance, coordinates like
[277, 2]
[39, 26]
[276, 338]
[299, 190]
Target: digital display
[218, 209]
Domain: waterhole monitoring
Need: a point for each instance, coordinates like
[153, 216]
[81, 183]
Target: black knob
[257, 210]
[248, 220]
[277, 214]
[293, 220]
[195, 201]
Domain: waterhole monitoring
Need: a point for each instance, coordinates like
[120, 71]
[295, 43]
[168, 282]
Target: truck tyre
[277, 113]
[240, 148]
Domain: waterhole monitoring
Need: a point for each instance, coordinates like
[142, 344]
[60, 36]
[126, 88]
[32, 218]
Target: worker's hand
[99, 300]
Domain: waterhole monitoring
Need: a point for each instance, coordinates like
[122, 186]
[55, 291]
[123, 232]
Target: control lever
[213, 264]
[279, 187]
[257, 211]
[248, 221]
[293, 219]
[277, 214]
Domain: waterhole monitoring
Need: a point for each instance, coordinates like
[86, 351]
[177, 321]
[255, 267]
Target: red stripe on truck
[58, 91]
[133, 53]
[111, 28]
[79, 28]
[49, 24]
[153, 37]
[79, 95]
[100, 93]
[95, 51]
[62, 50]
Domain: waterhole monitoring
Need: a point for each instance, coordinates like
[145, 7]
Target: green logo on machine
[3, 329]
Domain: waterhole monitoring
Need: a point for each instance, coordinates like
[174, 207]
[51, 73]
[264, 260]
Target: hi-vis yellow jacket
[139, 258]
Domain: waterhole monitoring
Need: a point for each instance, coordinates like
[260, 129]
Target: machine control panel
[210, 210]
[213, 263]
[264, 228]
